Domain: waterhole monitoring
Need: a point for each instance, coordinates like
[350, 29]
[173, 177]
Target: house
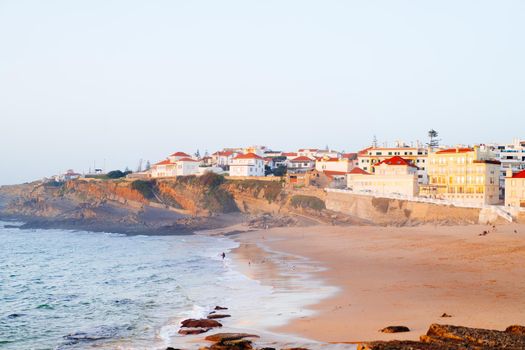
[463, 174]
[392, 176]
[307, 152]
[369, 157]
[248, 164]
[511, 156]
[326, 163]
[289, 155]
[175, 165]
[301, 164]
[223, 158]
[67, 176]
[515, 189]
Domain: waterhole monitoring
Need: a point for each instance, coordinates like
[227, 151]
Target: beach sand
[398, 276]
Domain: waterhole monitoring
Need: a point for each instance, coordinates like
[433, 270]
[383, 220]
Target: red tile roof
[364, 152]
[290, 154]
[520, 175]
[180, 154]
[350, 156]
[331, 174]
[185, 159]
[301, 159]
[164, 162]
[455, 150]
[248, 156]
[396, 160]
[358, 170]
[321, 159]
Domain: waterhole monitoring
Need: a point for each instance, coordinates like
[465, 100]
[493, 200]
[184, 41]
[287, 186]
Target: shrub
[211, 179]
[116, 174]
[144, 187]
[310, 202]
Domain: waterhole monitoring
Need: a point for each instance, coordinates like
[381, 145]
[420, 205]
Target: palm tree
[434, 142]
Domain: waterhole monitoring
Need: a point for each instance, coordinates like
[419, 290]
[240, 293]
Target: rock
[516, 329]
[475, 336]
[239, 344]
[220, 337]
[220, 308]
[446, 315]
[214, 316]
[201, 323]
[267, 348]
[191, 331]
[170, 348]
[395, 329]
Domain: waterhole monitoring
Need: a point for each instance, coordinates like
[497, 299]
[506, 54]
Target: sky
[85, 83]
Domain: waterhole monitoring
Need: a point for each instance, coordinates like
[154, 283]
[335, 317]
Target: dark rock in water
[395, 329]
[201, 323]
[192, 331]
[97, 333]
[220, 308]
[516, 329]
[446, 315]
[220, 337]
[170, 348]
[214, 316]
[239, 344]
[11, 226]
[267, 349]
[12, 316]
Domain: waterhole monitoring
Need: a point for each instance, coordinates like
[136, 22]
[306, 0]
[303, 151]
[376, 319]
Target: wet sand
[398, 276]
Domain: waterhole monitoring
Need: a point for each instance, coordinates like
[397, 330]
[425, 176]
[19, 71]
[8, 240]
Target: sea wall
[386, 211]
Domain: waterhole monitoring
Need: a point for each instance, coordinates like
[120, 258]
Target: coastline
[391, 276]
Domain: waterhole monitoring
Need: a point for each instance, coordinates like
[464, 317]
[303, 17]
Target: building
[301, 164]
[223, 158]
[248, 164]
[369, 157]
[343, 165]
[177, 164]
[515, 189]
[393, 176]
[67, 176]
[511, 156]
[465, 175]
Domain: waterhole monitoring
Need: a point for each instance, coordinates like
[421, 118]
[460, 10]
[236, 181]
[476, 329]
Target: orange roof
[180, 154]
[321, 159]
[364, 151]
[350, 156]
[358, 170]
[520, 175]
[248, 156]
[301, 159]
[187, 160]
[290, 154]
[396, 160]
[164, 162]
[331, 174]
[455, 150]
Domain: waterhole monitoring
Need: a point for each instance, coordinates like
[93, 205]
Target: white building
[176, 165]
[393, 176]
[511, 156]
[248, 164]
[334, 164]
[369, 157]
[223, 158]
[301, 164]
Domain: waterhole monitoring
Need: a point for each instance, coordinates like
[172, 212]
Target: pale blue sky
[123, 80]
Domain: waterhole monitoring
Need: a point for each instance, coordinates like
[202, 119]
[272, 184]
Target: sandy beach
[397, 276]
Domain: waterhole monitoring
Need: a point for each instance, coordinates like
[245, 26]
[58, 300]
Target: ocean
[62, 289]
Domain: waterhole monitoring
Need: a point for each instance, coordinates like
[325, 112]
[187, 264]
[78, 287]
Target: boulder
[516, 329]
[220, 308]
[214, 316]
[395, 329]
[191, 331]
[200, 323]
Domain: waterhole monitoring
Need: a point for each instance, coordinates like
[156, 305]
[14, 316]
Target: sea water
[62, 289]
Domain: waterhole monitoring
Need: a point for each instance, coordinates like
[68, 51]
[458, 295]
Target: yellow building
[515, 189]
[465, 175]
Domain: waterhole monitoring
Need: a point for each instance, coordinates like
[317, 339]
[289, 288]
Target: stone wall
[386, 211]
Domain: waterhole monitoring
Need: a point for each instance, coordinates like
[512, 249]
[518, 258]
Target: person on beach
[223, 256]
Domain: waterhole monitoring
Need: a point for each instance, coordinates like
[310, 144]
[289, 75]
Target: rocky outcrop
[447, 337]
[200, 323]
[395, 329]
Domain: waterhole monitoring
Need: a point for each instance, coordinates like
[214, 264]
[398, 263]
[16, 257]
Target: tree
[374, 142]
[434, 141]
[116, 174]
[148, 166]
[197, 154]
